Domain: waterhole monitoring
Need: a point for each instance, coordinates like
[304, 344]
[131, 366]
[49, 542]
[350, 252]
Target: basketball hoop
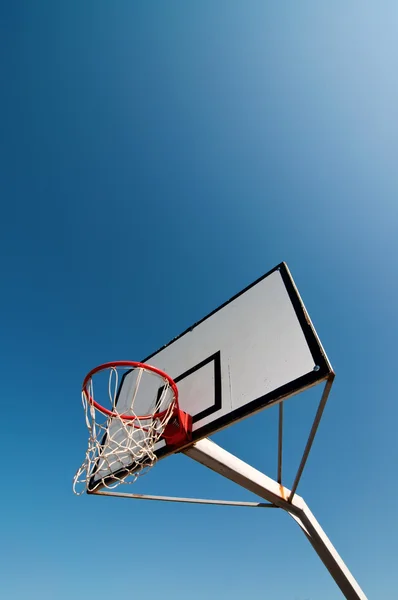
[143, 411]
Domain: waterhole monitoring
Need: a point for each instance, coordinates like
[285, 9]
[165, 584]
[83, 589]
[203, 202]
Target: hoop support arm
[219, 460]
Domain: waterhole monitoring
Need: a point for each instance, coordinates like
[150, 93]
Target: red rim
[129, 363]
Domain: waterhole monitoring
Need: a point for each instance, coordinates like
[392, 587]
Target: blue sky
[157, 158]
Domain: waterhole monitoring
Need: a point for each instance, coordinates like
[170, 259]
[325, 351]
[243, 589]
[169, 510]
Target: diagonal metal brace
[186, 500]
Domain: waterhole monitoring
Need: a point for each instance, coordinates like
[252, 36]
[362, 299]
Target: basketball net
[122, 438]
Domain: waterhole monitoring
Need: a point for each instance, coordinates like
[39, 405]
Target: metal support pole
[186, 500]
[219, 460]
[280, 442]
[314, 429]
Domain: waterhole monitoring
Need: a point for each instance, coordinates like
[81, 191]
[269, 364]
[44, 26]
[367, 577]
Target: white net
[123, 431]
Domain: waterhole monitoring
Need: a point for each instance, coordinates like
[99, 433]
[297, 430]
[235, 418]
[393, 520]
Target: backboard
[255, 350]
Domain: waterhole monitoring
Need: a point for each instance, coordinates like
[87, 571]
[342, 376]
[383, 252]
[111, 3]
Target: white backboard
[254, 351]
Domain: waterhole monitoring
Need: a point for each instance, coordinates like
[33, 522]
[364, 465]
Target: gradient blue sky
[157, 157]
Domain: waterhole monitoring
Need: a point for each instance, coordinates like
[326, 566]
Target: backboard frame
[321, 372]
